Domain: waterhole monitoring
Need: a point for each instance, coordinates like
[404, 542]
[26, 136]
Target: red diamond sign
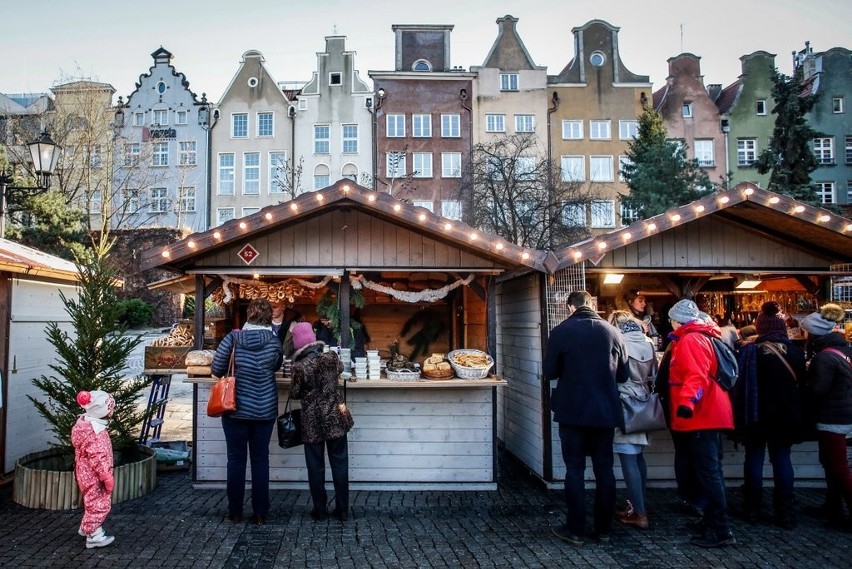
[248, 254]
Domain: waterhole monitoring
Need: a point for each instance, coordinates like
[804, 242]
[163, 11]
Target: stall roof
[347, 197]
[23, 260]
[764, 215]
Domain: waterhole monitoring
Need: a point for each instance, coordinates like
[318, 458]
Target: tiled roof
[728, 96]
[660, 96]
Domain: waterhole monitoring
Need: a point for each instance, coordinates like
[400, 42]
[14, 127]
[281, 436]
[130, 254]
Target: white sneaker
[99, 539]
[80, 532]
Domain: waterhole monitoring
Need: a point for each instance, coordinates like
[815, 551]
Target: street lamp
[44, 153]
[373, 107]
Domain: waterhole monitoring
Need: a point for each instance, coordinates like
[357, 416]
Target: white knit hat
[97, 404]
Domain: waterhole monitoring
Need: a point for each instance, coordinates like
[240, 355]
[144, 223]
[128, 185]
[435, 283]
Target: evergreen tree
[52, 226]
[789, 157]
[658, 173]
[92, 357]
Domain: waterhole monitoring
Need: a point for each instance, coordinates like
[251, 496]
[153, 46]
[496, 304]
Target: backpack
[727, 368]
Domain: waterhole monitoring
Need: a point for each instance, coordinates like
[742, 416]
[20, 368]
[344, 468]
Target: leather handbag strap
[231, 364]
[774, 349]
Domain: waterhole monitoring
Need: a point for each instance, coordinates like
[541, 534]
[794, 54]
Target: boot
[98, 539]
[634, 518]
[627, 509]
[752, 500]
[784, 514]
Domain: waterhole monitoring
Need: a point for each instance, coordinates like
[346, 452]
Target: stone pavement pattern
[177, 526]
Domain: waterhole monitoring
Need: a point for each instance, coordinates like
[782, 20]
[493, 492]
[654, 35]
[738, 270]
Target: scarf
[98, 425]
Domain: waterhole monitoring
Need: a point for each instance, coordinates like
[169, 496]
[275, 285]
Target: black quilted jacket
[257, 358]
[830, 376]
[315, 382]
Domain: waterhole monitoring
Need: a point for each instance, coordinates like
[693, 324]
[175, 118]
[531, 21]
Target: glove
[684, 412]
[109, 484]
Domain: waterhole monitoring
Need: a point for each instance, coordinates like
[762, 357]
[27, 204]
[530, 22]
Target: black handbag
[643, 415]
[289, 426]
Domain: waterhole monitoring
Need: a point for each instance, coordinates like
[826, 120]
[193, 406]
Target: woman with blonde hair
[643, 369]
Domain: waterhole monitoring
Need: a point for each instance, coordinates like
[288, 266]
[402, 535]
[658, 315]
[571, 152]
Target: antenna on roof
[334, 29]
[681, 38]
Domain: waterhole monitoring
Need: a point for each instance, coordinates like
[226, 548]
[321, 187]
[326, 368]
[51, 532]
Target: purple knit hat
[769, 320]
[303, 334]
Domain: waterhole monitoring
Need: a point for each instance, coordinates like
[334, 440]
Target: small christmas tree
[92, 357]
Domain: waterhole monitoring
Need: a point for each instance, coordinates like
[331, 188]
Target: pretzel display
[180, 335]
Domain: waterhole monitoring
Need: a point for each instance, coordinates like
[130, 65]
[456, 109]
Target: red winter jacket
[691, 382]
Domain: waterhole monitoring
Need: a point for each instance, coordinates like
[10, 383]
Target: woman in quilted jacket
[257, 356]
[325, 419]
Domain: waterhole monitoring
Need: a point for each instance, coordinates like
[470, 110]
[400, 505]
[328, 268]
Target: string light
[166, 254]
[626, 236]
[849, 227]
[799, 209]
[448, 226]
[190, 244]
[319, 197]
[371, 198]
[602, 245]
[422, 217]
[474, 236]
[577, 255]
[525, 255]
[499, 246]
[243, 225]
[217, 234]
[774, 200]
[397, 207]
[748, 191]
[652, 227]
[257, 276]
[294, 207]
[268, 216]
[676, 217]
[699, 208]
[345, 188]
[825, 218]
[724, 199]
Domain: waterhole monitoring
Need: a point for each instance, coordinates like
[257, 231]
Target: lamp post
[374, 107]
[207, 119]
[44, 153]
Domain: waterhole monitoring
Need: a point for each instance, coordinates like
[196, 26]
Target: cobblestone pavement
[177, 526]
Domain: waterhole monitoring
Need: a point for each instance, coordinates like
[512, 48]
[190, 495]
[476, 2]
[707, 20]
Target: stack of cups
[287, 370]
[374, 364]
[361, 368]
[346, 358]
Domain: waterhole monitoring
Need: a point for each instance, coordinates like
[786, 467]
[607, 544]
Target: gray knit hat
[684, 311]
[816, 325]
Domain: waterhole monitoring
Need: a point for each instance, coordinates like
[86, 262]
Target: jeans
[577, 442]
[243, 437]
[338, 460]
[688, 488]
[706, 452]
[782, 467]
[635, 475]
[838, 478]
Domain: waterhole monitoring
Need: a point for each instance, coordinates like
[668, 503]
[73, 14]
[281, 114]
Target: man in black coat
[587, 356]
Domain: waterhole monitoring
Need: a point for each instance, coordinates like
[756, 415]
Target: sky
[49, 42]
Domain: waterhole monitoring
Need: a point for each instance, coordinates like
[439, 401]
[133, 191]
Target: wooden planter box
[39, 483]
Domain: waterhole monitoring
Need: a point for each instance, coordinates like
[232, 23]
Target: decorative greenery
[135, 312]
[92, 357]
[430, 324]
[329, 306]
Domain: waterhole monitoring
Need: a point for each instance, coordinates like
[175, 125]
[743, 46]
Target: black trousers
[338, 460]
[577, 443]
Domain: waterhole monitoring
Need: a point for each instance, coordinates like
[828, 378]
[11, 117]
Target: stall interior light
[749, 282]
[613, 278]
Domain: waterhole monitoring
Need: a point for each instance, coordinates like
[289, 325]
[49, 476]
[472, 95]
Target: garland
[285, 290]
[428, 295]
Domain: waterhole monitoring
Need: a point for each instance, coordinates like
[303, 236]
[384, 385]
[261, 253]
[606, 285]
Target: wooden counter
[413, 435]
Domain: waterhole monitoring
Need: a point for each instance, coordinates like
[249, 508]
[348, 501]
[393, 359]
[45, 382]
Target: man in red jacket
[701, 409]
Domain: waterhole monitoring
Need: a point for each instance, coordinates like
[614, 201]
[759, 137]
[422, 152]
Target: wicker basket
[403, 375]
[464, 372]
[440, 374]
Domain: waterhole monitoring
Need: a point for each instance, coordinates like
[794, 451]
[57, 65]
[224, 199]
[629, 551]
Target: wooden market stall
[790, 251]
[425, 282]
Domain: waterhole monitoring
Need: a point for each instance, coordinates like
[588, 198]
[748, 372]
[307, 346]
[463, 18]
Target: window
[573, 168]
[322, 144]
[422, 164]
[524, 123]
[760, 106]
[849, 191]
[451, 164]
[349, 171]
[825, 192]
[427, 204]
[628, 215]
[396, 125]
[597, 59]
[603, 213]
[239, 125]
[224, 214]
[746, 151]
[157, 201]
[303, 104]
[335, 78]
[277, 172]
[686, 110]
[599, 130]
[623, 160]
[181, 117]
[247, 211]
[187, 199]
[350, 138]
[450, 126]
[138, 119]
[421, 65]
[265, 124]
[508, 81]
[95, 156]
[838, 105]
[495, 123]
[132, 153]
[130, 199]
[96, 203]
[600, 168]
[161, 117]
[572, 130]
[251, 174]
[495, 168]
[849, 150]
[225, 183]
[187, 153]
[573, 214]
[824, 150]
[704, 153]
[395, 164]
[628, 130]
[421, 126]
[161, 87]
[160, 154]
[322, 177]
[525, 168]
[451, 209]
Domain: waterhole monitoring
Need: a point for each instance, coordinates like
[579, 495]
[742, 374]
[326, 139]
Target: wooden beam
[671, 284]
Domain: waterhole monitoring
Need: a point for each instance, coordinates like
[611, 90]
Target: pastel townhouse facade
[828, 74]
[333, 121]
[252, 143]
[597, 104]
[745, 110]
[691, 116]
[162, 142]
[423, 121]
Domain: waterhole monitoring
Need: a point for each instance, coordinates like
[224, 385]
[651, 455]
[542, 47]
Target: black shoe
[564, 534]
[600, 537]
[697, 527]
[341, 515]
[259, 520]
[317, 515]
[710, 539]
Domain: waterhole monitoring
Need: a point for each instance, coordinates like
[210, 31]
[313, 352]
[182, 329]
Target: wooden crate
[169, 357]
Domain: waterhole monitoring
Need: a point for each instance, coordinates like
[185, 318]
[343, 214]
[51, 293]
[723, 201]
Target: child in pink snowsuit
[93, 464]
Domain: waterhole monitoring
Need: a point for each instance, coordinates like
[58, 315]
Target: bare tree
[510, 188]
[289, 181]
